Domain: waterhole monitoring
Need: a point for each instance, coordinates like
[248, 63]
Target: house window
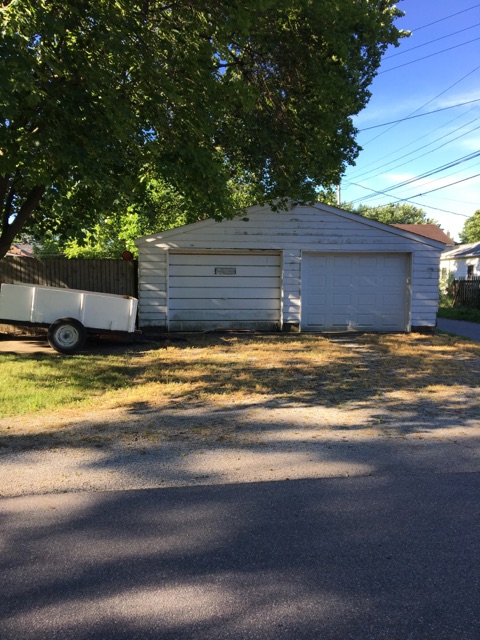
[470, 273]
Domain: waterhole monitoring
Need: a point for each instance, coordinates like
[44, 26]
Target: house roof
[431, 231]
[21, 250]
[463, 251]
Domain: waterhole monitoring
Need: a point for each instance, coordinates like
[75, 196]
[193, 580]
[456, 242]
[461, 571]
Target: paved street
[460, 328]
[389, 556]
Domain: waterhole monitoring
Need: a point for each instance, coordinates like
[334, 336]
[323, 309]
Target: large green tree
[471, 229]
[98, 95]
[394, 213]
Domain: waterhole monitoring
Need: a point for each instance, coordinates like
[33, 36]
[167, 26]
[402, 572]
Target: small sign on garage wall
[225, 271]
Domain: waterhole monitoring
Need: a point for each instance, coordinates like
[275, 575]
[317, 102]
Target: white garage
[310, 268]
[355, 291]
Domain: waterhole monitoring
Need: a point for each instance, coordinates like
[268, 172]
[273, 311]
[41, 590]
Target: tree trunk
[12, 229]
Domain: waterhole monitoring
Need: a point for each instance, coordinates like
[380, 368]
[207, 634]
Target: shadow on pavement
[336, 559]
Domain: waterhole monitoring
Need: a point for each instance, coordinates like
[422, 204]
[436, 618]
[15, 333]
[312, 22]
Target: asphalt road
[460, 328]
[331, 559]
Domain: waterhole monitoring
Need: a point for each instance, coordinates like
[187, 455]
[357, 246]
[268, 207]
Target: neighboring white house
[314, 268]
[461, 262]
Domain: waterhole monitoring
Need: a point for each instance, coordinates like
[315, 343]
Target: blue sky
[421, 83]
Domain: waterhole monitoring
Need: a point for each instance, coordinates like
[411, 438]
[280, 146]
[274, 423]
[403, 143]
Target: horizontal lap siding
[152, 288]
[291, 233]
[425, 282]
[224, 291]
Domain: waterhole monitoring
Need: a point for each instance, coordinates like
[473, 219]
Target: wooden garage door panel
[215, 259]
[224, 291]
[178, 270]
[354, 292]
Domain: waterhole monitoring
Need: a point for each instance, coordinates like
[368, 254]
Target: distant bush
[459, 313]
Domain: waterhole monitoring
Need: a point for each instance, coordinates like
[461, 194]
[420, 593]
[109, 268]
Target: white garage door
[354, 292]
[224, 291]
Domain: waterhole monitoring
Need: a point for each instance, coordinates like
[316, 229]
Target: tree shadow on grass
[205, 387]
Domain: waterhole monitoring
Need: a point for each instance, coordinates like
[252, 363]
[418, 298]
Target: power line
[409, 144]
[445, 186]
[452, 15]
[430, 55]
[427, 174]
[419, 115]
[384, 166]
[419, 46]
[381, 193]
[425, 184]
[474, 204]
[427, 103]
[452, 173]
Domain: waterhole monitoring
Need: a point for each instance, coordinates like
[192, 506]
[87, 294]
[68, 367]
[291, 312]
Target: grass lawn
[460, 313]
[230, 368]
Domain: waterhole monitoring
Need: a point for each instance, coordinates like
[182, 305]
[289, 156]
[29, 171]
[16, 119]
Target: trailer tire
[66, 335]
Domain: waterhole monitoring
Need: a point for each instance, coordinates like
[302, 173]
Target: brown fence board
[104, 276]
[466, 292]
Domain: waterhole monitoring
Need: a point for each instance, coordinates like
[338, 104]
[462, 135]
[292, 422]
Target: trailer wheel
[66, 335]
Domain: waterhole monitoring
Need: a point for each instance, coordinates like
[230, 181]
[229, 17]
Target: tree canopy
[394, 213]
[471, 229]
[212, 99]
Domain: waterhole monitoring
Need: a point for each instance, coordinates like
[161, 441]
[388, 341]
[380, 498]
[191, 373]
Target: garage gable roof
[319, 206]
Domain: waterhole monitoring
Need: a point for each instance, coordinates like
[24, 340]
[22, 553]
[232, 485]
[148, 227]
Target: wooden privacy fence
[104, 276]
[466, 292]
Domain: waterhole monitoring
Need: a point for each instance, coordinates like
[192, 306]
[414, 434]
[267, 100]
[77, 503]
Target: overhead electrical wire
[397, 166]
[409, 144]
[427, 174]
[452, 15]
[426, 103]
[445, 186]
[419, 115]
[419, 46]
[475, 204]
[380, 193]
[430, 55]
[425, 184]
[383, 165]
[413, 114]
[451, 174]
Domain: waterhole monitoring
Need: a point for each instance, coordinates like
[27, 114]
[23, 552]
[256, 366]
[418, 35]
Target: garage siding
[302, 229]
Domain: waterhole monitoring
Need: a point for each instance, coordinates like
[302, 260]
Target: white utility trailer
[69, 314]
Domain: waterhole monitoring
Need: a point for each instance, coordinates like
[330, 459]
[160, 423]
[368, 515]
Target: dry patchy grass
[307, 369]
[178, 389]
[231, 368]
